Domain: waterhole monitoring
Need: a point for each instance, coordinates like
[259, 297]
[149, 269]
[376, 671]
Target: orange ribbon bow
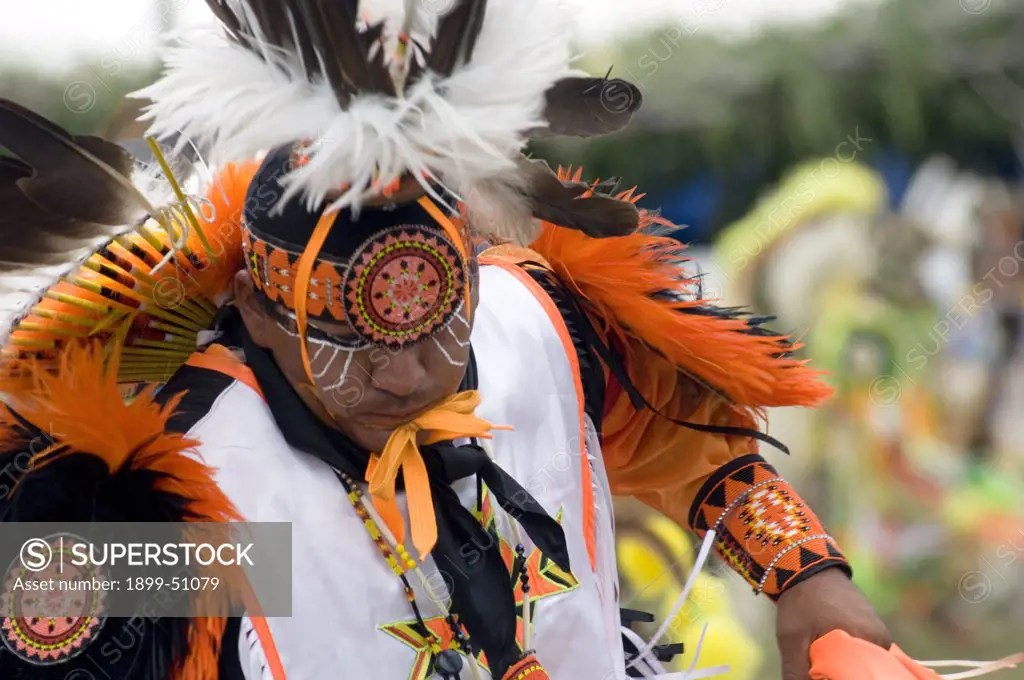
[450, 419]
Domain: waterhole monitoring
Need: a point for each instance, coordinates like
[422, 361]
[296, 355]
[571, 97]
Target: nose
[400, 374]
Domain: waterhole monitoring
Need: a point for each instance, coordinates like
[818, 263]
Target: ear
[257, 322]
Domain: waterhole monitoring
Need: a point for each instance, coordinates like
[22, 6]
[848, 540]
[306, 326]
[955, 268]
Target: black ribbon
[466, 555]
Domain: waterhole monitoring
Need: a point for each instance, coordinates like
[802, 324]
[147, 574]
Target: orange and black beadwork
[763, 529]
[402, 285]
[396, 274]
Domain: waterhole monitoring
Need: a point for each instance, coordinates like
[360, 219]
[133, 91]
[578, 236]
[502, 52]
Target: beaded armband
[763, 529]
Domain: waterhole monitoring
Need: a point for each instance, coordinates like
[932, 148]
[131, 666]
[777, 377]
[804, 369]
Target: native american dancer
[444, 432]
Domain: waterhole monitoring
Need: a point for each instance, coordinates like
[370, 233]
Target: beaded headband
[400, 286]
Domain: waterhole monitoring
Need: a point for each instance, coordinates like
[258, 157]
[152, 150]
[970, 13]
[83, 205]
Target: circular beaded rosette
[404, 283]
[50, 626]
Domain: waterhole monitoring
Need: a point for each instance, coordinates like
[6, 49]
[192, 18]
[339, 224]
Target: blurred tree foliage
[913, 76]
[84, 100]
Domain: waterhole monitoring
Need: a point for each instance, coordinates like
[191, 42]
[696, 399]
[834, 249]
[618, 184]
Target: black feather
[80, 488]
[273, 25]
[341, 40]
[588, 107]
[33, 237]
[80, 177]
[58, 195]
[26, 226]
[323, 33]
[12, 169]
[456, 36]
[225, 14]
[563, 204]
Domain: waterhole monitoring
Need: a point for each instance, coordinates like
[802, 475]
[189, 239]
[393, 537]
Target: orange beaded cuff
[763, 528]
[527, 668]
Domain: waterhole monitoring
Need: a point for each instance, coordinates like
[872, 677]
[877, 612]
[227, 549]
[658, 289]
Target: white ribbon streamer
[980, 668]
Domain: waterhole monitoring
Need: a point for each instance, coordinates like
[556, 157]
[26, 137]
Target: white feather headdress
[444, 93]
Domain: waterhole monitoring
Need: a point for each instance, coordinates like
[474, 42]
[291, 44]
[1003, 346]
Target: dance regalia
[595, 367]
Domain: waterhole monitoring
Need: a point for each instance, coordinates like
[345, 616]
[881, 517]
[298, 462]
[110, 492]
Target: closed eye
[290, 326]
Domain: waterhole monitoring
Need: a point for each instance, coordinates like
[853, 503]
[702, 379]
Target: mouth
[389, 421]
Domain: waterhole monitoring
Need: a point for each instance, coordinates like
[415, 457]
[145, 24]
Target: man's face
[366, 390]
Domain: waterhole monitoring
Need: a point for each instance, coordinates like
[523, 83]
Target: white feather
[20, 293]
[499, 208]
[150, 181]
[395, 16]
[458, 131]
[17, 295]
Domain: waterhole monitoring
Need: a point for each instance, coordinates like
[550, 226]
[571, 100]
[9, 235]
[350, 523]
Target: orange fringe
[204, 644]
[618, 277]
[81, 407]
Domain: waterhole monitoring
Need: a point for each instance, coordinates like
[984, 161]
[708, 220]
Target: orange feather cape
[622, 281]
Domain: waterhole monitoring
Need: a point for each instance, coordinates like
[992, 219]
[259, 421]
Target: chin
[370, 438]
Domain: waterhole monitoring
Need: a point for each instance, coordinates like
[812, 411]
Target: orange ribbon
[450, 419]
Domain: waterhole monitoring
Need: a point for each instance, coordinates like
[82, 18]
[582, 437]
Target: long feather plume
[19, 211]
[100, 191]
[61, 196]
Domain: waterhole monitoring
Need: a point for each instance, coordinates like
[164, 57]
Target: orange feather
[621, 278]
[81, 407]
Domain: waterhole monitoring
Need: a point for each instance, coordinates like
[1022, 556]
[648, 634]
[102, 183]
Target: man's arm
[717, 480]
[675, 442]
[712, 480]
[703, 376]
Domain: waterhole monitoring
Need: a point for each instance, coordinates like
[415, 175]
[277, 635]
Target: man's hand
[825, 602]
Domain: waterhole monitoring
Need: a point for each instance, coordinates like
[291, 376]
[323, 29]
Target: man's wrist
[834, 572]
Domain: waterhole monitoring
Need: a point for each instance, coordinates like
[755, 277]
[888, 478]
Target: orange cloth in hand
[840, 656]
[450, 419]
